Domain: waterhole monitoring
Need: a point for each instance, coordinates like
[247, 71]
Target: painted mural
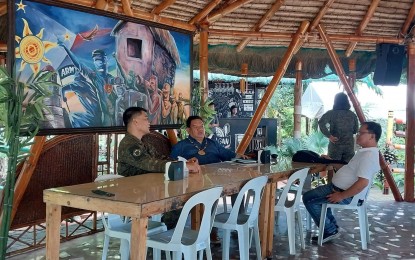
[103, 66]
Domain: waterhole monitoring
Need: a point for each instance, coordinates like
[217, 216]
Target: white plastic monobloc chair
[291, 207]
[117, 226]
[358, 203]
[183, 240]
[243, 222]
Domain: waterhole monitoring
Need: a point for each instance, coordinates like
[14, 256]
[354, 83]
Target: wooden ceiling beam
[320, 15]
[264, 19]
[317, 19]
[3, 47]
[408, 21]
[280, 35]
[162, 6]
[3, 9]
[226, 10]
[363, 24]
[126, 7]
[205, 11]
[137, 14]
[101, 4]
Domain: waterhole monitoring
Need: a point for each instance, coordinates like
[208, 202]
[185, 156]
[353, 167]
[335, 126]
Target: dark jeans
[313, 201]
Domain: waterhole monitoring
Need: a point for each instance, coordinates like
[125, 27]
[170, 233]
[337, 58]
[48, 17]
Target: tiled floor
[392, 228]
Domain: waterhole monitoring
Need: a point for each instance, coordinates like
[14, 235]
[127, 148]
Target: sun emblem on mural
[32, 48]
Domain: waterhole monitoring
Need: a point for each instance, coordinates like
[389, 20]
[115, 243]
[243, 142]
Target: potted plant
[21, 110]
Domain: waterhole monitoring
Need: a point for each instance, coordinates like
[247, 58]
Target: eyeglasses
[361, 133]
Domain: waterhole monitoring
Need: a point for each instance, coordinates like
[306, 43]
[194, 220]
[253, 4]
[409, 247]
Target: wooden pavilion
[271, 36]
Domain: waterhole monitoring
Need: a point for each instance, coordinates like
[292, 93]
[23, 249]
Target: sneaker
[327, 237]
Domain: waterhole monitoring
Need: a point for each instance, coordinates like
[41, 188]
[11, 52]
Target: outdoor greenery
[21, 109]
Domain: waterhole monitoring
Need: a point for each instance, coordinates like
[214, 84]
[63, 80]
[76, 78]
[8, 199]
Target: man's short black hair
[232, 107]
[191, 118]
[130, 112]
[374, 128]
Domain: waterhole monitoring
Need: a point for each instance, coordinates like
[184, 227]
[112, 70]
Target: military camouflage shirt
[341, 124]
[135, 157]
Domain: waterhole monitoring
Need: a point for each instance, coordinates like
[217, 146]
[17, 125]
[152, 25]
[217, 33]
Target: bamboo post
[203, 62]
[340, 72]
[285, 61]
[298, 92]
[172, 136]
[410, 126]
[389, 133]
[389, 129]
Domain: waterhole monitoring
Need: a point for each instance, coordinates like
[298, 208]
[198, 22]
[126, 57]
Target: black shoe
[327, 237]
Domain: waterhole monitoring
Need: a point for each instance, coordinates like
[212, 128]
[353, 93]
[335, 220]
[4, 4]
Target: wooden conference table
[145, 195]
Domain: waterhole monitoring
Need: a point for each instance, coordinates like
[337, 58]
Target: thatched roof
[271, 23]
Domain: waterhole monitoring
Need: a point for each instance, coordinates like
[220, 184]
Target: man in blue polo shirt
[197, 145]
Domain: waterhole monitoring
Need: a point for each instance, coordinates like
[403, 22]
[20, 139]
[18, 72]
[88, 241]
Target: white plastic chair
[243, 223]
[117, 226]
[358, 203]
[291, 207]
[183, 240]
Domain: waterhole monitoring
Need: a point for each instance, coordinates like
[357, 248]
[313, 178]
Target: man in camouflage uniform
[135, 157]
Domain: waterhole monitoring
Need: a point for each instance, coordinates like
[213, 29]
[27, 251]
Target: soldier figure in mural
[166, 104]
[128, 92]
[154, 100]
[100, 80]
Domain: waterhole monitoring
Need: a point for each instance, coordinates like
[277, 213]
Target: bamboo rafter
[138, 14]
[320, 15]
[162, 6]
[226, 10]
[205, 11]
[3, 9]
[408, 20]
[101, 4]
[264, 19]
[317, 19]
[280, 35]
[126, 7]
[369, 14]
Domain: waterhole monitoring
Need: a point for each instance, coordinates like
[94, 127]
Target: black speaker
[389, 60]
[264, 156]
[175, 170]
